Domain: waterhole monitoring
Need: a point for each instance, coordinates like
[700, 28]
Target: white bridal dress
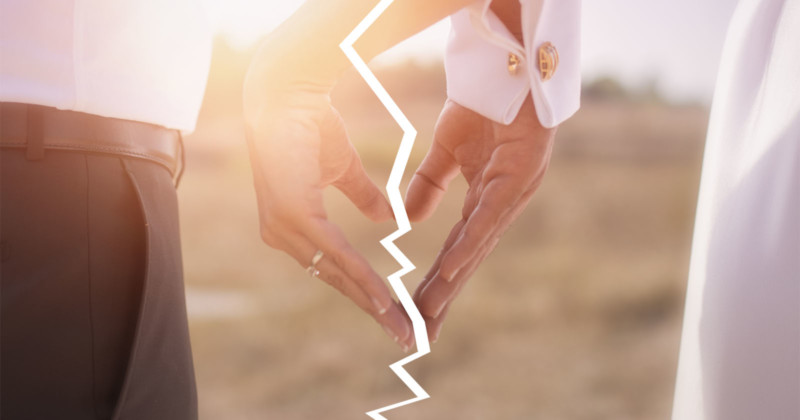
[740, 349]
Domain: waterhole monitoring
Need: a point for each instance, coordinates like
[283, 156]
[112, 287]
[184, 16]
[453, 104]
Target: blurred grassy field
[576, 315]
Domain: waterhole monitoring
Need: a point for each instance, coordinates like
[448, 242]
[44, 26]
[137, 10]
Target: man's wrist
[306, 46]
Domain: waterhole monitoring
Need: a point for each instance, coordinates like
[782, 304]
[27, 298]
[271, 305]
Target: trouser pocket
[159, 382]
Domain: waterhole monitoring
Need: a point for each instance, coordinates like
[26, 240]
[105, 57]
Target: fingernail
[427, 309]
[391, 333]
[403, 331]
[378, 307]
[436, 332]
[438, 310]
[451, 276]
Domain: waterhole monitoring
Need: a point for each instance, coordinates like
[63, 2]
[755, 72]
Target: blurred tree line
[410, 80]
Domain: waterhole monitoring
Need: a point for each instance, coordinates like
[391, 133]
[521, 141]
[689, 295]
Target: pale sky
[675, 42]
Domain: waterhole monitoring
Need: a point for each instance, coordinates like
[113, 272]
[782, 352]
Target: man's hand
[503, 165]
[298, 146]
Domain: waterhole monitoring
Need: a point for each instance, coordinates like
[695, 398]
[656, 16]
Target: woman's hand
[503, 165]
[298, 146]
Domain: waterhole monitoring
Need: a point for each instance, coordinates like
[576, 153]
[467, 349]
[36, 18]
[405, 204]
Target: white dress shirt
[143, 60]
[476, 61]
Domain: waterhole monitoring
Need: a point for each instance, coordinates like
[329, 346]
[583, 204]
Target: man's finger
[392, 319]
[330, 239]
[429, 183]
[362, 191]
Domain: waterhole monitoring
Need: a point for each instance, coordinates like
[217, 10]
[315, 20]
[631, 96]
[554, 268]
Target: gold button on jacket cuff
[548, 60]
[513, 63]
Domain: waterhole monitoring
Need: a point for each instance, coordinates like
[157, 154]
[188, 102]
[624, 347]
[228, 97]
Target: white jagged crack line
[396, 200]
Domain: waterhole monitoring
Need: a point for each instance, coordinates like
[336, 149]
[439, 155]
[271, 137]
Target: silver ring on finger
[312, 269]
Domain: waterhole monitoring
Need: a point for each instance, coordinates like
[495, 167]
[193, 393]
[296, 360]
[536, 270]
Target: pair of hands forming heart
[298, 146]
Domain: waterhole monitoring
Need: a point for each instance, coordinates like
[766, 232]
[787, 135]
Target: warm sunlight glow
[629, 40]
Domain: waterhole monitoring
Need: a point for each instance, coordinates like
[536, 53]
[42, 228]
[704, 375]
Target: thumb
[429, 183]
[359, 188]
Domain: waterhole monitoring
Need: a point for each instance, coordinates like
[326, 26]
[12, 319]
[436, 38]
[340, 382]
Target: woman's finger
[429, 183]
[434, 324]
[455, 127]
[429, 307]
[451, 237]
[497, 198]
[438, 292]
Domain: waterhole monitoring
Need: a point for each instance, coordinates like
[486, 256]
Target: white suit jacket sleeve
[477, 58]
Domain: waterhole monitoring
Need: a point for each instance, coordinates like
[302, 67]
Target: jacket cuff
[477, 61]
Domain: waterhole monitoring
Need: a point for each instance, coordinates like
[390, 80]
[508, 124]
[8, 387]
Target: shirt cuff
[477, 61]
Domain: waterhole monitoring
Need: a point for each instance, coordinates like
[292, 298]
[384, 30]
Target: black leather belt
[38, 128]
